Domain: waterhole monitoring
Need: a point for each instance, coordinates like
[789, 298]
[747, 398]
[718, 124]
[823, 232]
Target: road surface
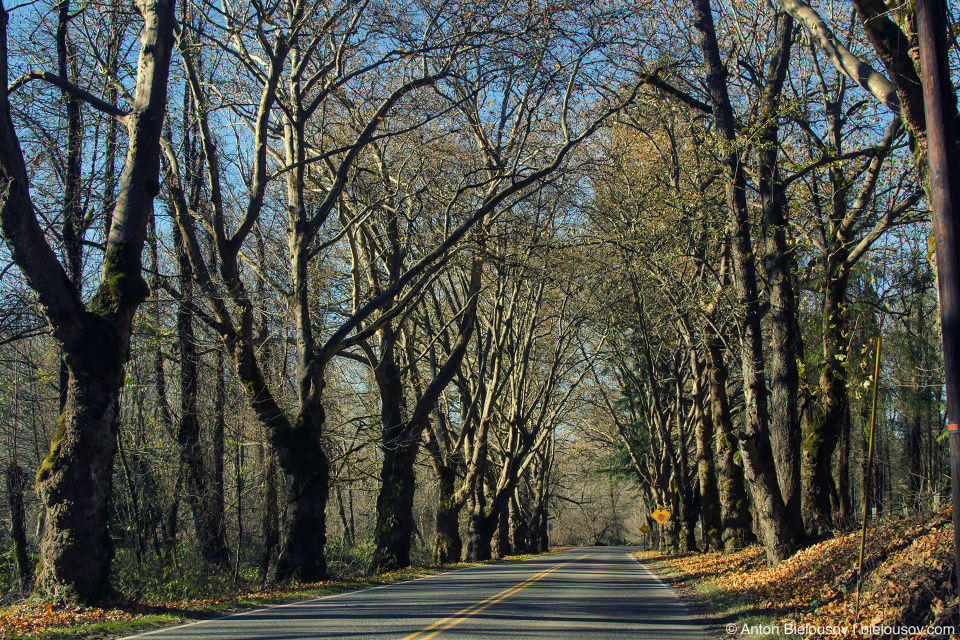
[597, 593]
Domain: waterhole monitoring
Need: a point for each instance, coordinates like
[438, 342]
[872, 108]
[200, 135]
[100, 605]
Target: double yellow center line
[440, 626]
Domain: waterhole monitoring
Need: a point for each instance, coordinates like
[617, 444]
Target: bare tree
[75, 480]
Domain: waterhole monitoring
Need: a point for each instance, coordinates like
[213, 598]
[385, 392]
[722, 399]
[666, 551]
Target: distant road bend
[597, 593]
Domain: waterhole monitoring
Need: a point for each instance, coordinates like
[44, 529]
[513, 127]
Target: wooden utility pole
[944, 166]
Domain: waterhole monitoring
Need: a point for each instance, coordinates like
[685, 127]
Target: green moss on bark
[122, 285]
[53, 459]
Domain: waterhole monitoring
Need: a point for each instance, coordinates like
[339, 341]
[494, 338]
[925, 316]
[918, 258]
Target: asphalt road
[597, 593]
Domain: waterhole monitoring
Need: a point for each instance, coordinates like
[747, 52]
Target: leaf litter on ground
[908, 589]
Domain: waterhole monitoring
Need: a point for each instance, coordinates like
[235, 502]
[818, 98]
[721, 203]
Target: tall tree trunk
[301, 455]
[296, 438]
[448, 546]
[480, 528]
[401, 437]
[827, 423]
[199, 491]
[785, 435]
[307, 471]
[712, 525]
[270, 521]
[687, 514]
[395, 522]
[735, 515]
[502, 547]
[16, 483]
[304, 463]
[75, 479]
[777, 535]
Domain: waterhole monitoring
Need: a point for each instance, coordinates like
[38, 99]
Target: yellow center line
[460, 616]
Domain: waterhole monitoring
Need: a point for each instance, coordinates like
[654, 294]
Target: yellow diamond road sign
[660, 515]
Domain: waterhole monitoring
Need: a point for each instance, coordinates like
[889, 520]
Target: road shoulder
[699, 607]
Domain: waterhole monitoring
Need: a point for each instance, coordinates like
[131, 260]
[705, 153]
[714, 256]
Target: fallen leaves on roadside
[24, 619]
[908, 566]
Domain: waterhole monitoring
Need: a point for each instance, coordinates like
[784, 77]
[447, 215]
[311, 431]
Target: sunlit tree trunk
[75, 479]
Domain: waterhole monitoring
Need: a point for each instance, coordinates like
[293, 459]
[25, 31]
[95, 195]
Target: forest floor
[907, 589]
[34, 620]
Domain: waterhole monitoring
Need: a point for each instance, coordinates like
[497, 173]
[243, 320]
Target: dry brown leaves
[907, 570]
[24, 619]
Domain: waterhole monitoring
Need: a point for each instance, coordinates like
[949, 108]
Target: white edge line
[668, 588]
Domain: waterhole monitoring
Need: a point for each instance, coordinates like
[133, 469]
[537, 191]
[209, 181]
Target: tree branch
[72, 89]
[842, 58]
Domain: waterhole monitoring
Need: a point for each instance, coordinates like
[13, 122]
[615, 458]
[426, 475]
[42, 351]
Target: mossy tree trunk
[706, 466]
[735, 515]
[824, 430]
[75, 479]
[479, 531]
[307, 471]
[448, 547]
[72, 229]
[847, 237]
[687, 513]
